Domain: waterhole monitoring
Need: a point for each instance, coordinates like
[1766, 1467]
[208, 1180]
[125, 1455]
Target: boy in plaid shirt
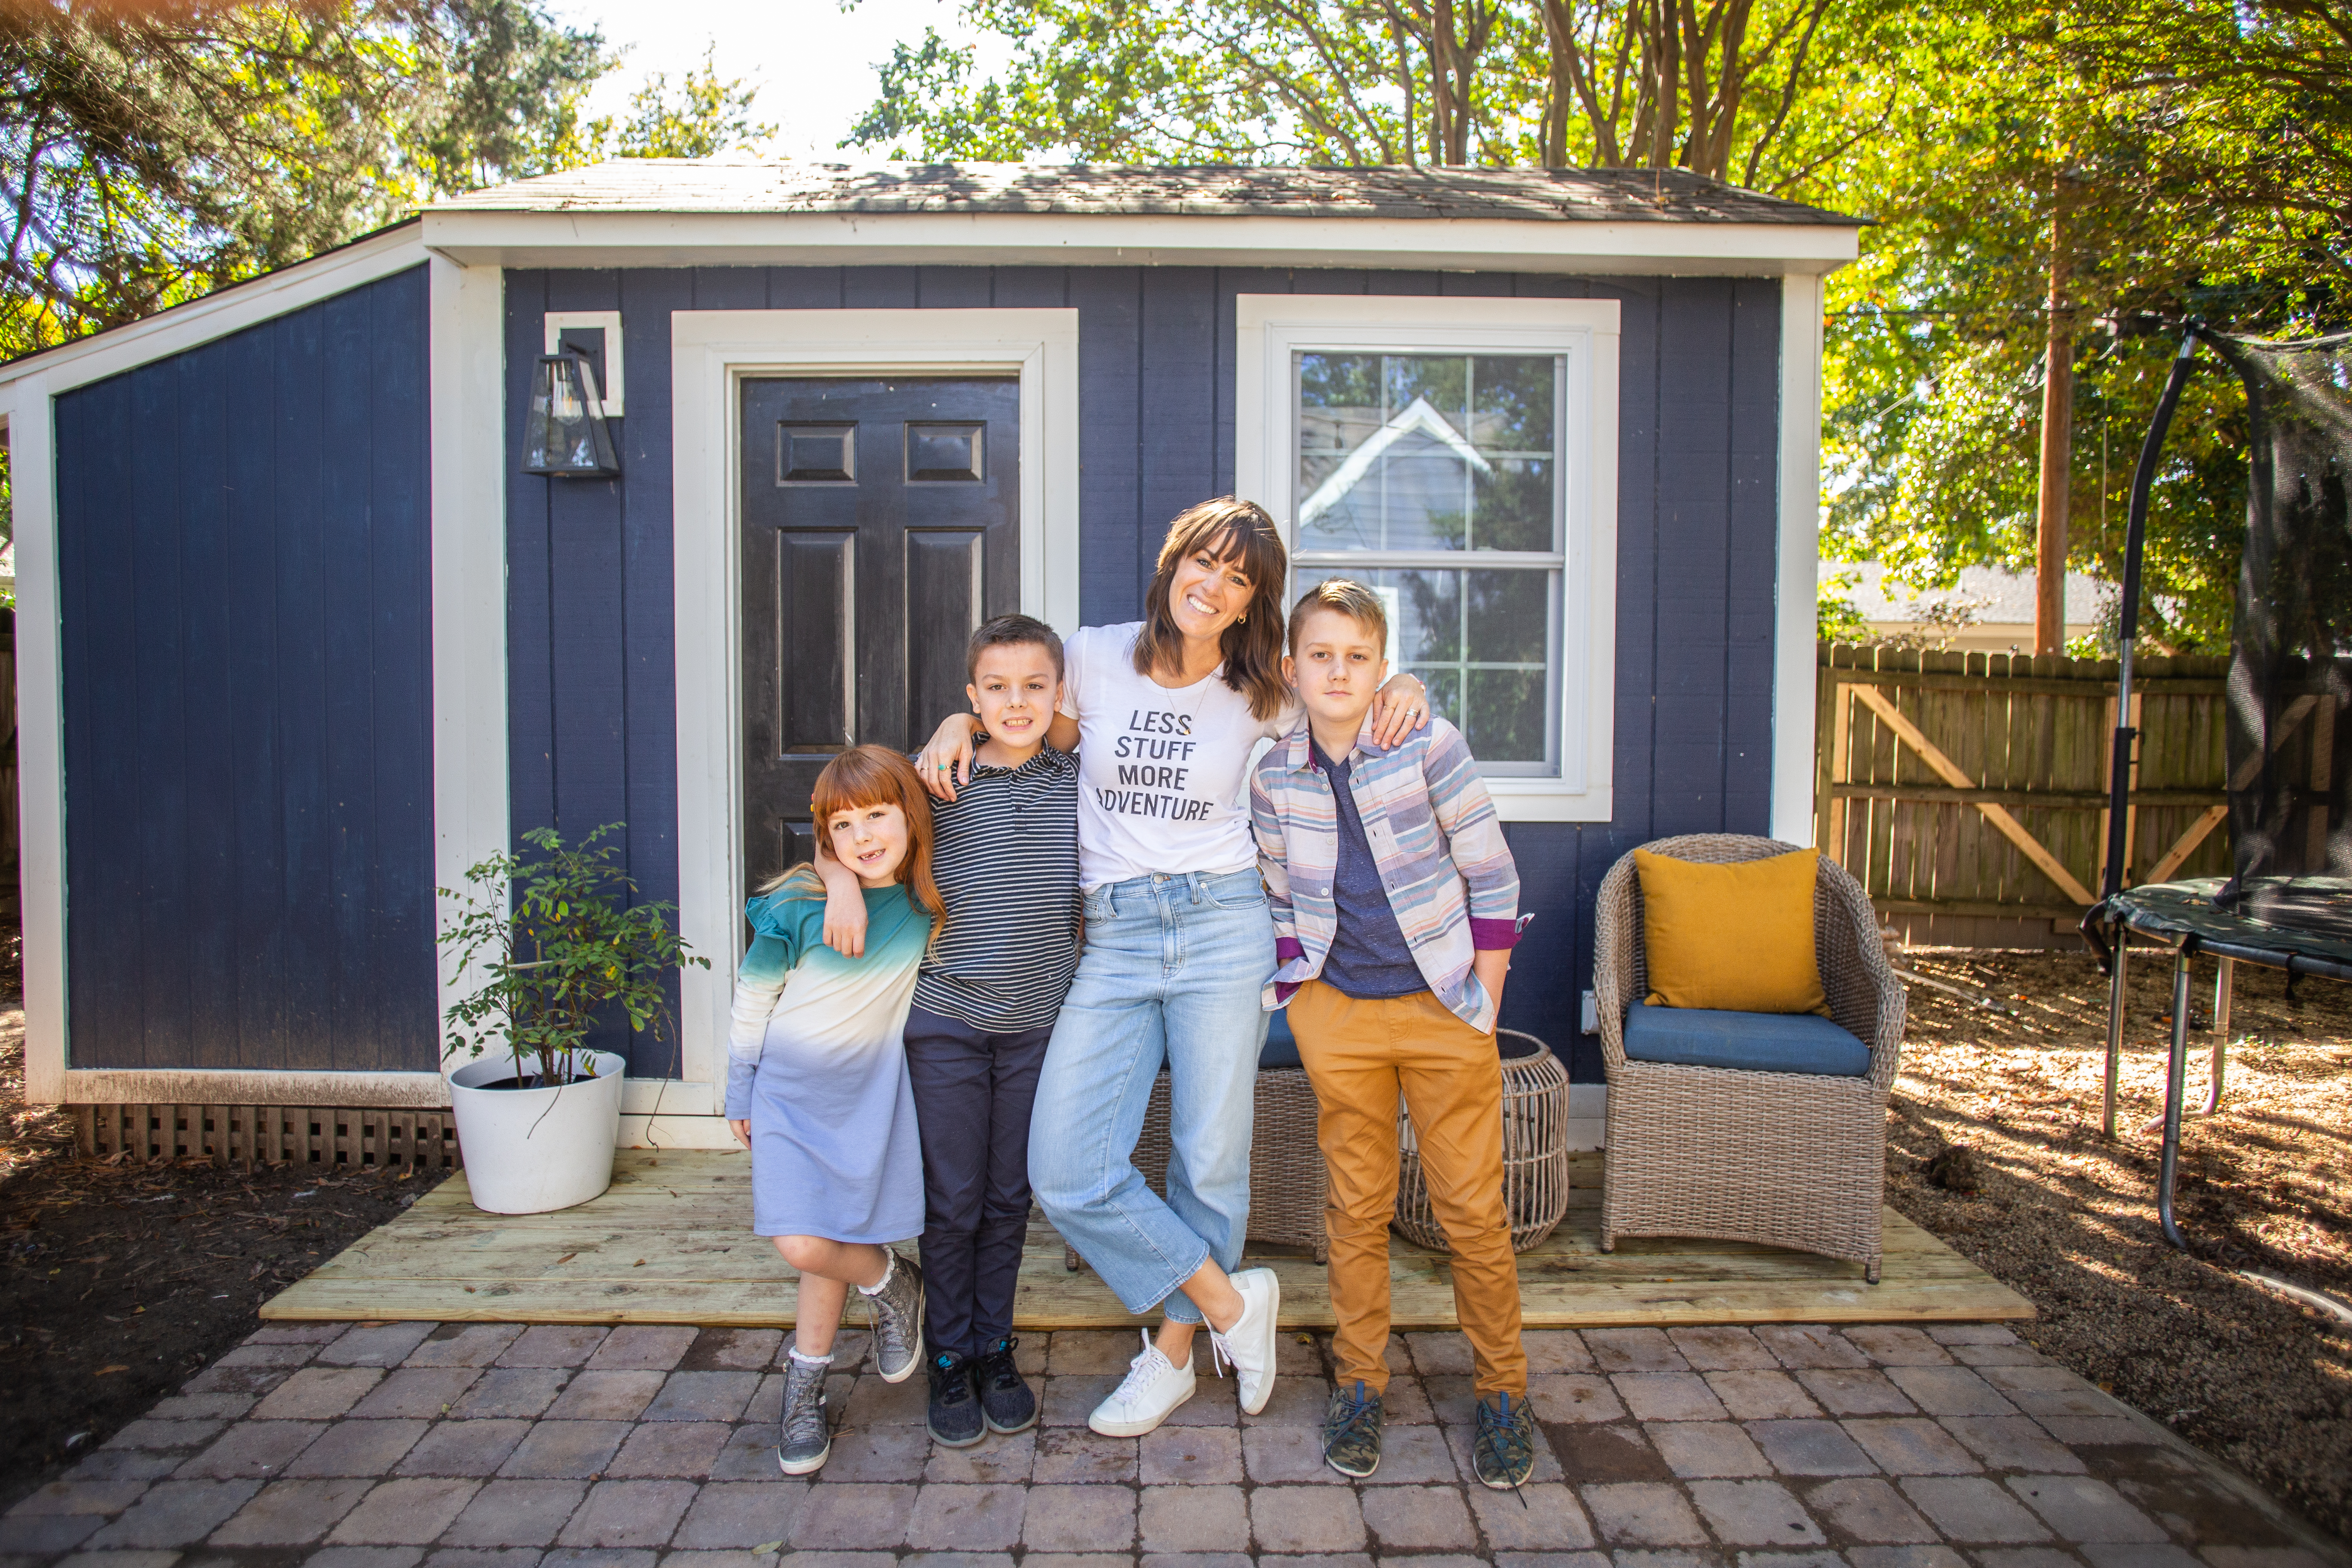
[1395, 908]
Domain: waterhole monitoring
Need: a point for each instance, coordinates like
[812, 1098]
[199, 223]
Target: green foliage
[705, 117]
[1838, 617]
[151, 152]
[1719, 88]
[557, 942]
[2195, 156]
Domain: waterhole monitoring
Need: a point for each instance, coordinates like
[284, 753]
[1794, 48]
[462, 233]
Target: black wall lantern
[567, 434]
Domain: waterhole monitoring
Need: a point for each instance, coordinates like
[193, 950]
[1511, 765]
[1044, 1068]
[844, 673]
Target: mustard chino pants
[1358, 1055]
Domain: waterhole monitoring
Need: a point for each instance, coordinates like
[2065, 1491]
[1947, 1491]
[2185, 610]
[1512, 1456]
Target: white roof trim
[216, 315]
[1060, 239]
[1416, 416]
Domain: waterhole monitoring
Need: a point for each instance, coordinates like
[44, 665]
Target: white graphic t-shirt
[1163, 771]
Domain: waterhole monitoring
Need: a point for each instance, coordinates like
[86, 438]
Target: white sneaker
[1153, 1389]
[1249, 1345]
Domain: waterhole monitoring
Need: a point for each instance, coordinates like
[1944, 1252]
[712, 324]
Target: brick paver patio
[494, 1446]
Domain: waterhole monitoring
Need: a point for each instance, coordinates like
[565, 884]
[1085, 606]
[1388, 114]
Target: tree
[2199, 153]
[1715, 85]
[707, 117]
[154, 150]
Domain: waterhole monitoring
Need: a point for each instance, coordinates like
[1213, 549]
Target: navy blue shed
[301, 639]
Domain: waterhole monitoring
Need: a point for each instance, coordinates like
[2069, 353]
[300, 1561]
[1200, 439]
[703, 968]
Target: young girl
[818, 1087]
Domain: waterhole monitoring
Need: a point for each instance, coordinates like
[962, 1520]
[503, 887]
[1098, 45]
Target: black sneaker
[1351, 1431]
[1006, 1399]
[1503, 1450]
[953, 1419]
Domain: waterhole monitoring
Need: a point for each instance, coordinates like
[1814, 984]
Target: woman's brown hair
[1226, 528]
[873, 775]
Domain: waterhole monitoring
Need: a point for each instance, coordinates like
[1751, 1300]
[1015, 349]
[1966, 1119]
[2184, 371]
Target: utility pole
[2057, 445]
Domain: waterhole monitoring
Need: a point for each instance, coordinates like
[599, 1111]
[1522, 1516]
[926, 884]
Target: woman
[1165, 715]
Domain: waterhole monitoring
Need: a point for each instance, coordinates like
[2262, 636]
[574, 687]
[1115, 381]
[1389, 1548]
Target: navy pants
[973, 1095]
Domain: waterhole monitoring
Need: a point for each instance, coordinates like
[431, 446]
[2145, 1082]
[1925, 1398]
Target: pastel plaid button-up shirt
[1433, 833]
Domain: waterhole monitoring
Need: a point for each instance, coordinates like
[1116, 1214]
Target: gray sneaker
[804, 1437]
[898, 1310]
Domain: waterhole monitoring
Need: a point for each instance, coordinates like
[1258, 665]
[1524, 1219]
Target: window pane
[1509, 620]
[1426, 451]
[1506, 721]
[1513, 403]
[1430, 606]
[1513, 504]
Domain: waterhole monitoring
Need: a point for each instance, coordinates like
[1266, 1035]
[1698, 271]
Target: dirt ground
[2069, 1220]
[121, 1281]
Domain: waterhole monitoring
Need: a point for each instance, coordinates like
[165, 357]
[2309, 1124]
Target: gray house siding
[243, 560]
[593, 723]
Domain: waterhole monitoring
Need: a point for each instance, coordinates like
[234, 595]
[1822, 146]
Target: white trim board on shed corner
[711, 353]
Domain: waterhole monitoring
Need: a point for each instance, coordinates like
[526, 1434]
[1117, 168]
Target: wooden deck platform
[669, 1243]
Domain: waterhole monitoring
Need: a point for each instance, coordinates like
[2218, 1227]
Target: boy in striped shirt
[1005, 859]
[1395, 908]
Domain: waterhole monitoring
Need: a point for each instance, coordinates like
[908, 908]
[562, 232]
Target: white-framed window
[1458, 456]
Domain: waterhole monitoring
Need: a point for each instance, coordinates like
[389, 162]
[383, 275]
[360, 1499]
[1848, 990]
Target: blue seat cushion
[1281, 1048]
[1747, 1042]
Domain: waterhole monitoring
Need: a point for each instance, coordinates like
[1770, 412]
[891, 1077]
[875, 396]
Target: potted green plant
[559, 948]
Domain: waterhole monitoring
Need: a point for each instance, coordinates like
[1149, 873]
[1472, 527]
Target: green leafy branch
[558, 944]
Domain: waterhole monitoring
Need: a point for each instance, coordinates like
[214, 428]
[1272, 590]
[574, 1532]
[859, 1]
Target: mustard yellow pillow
[1738, 938]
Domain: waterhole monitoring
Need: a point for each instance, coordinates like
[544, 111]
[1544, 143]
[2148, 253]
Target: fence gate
[1968, 792]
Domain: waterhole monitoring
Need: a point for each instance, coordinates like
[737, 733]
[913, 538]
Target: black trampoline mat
[2307, 918]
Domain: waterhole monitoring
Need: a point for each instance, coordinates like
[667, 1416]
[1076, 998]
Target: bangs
[863, 777]
[1225, 541]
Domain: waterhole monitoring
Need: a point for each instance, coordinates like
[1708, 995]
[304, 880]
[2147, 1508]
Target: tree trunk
[2057, 447]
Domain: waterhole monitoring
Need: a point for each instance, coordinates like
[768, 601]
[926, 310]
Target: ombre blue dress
[817, 1063]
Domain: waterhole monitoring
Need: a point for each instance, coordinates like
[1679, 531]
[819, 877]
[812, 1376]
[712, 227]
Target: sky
[811, 59]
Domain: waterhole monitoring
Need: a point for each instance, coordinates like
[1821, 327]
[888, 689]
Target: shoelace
[1500, 1436]
[1143, 1371]
[1353, 1415]
[803, 1403]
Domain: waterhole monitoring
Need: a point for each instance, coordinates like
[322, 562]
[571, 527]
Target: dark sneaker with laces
[1503, 1450]
[953, 1419]
[897, 1309]
[804, 1437]
[1351, 1431]
[1006, 1399]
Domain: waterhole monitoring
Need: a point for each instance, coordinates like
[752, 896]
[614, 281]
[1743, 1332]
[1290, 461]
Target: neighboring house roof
[1997, 597]
[1553, 195]
[1416, 417]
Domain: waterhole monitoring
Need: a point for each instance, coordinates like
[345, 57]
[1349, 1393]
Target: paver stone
[417, 1392]
[1973, 1509]
[456, 1448]
[1305, 1519]
[1539, 1515]
[517, 1513]
[742, 1515]
[1197, 1455]
[291, 1513]
[1913, 1446]
[2082, 1509]
[966, 1518]
[1810, 1448]
[628, 1513]
[317, 1394]
[643, 1347]
[405, 1512]
[1694, 1449]
[1869, 1509]
[852, 1516]
[375, 1345]
[1419, 1517]
[1756, 1513]
[1192, 1518]
[1643, 1513]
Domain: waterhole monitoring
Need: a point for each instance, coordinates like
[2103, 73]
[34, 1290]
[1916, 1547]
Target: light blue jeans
[1173, 967]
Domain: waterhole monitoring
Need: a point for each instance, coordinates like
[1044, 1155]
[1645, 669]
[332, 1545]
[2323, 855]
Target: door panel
[880, 525]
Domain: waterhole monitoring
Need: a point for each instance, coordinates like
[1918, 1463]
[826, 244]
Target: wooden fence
[1968, 793]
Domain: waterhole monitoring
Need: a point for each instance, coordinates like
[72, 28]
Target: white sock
[889, 1267]
[824, 1360]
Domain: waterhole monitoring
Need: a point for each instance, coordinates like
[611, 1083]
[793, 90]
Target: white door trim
[710, 352]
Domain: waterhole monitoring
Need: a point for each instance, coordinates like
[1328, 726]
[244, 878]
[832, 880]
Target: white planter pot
[531, 1149]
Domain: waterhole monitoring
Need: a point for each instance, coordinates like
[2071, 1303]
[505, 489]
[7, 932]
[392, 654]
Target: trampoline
[2288, 905]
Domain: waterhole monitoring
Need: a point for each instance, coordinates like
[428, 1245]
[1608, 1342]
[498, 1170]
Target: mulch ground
[121, 1279]
[2069, 1220]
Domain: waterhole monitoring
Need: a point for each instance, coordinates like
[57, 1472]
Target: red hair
[877, 775]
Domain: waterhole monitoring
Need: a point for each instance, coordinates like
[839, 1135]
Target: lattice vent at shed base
[271, 1135]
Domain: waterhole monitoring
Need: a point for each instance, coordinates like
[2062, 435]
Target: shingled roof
[1549, 195]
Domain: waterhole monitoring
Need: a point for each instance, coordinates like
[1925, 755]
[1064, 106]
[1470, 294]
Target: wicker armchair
[1795, 1160]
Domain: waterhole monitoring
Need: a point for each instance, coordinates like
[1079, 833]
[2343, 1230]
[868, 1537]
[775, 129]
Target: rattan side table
[1535, 1150]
